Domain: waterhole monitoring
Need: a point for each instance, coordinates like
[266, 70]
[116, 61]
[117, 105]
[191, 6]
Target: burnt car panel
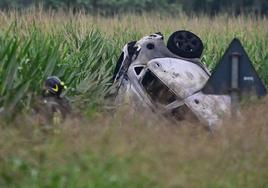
[157, 79]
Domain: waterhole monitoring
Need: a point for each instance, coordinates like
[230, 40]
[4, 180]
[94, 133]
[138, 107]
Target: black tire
[185, 44]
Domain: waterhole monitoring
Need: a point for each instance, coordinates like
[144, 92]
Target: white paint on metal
[184, 77]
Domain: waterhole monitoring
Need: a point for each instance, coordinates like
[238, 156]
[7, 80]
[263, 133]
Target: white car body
[156, 78]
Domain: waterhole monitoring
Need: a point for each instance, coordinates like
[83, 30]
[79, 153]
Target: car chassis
[172, 80]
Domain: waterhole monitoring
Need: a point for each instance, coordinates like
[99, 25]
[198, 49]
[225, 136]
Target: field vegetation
[108, 7]
[99, 148]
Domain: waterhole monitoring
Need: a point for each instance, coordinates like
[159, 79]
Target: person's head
[53, 86]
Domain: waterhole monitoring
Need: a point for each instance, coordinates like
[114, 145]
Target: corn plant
[82, 50]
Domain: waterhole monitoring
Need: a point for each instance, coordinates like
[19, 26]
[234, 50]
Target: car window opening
[138, 70]
[157, 90]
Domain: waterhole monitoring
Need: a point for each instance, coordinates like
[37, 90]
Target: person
[53, 107]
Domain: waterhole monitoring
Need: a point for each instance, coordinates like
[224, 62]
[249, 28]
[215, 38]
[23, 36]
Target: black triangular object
[248, 80]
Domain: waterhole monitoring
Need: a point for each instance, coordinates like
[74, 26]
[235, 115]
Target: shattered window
[157, 90]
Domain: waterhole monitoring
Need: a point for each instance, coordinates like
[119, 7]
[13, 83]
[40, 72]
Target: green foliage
[84, 55]
[109, 7]
[84, 63]
[116, 154]
[119, 151]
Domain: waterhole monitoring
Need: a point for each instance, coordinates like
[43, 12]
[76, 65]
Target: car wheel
[185, 44]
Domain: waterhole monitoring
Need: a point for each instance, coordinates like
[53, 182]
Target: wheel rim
[186, 41]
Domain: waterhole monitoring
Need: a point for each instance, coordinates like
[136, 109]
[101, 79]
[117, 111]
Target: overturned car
[171, 80]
